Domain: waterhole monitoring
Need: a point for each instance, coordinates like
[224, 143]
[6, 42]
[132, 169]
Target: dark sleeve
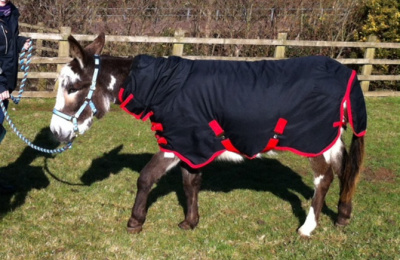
[20, 42]
[3, 83]
[3, 79]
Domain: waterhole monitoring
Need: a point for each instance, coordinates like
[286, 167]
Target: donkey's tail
[351, 166]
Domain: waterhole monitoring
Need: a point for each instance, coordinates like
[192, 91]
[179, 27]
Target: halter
[88, 100]
[25, 67]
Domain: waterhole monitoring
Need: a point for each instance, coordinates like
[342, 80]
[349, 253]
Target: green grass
[76, 205]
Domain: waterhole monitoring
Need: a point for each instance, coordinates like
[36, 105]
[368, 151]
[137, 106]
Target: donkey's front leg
[191, 186]
[323, 176]
[149, 175]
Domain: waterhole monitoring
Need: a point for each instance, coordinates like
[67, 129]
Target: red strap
[272, 143]
[156, 126]
[127, 100]
[147, 116]
[137, 116]
[339, 124]
[216, 128]
[218, 132]
[125, 103]
[280, 126]
[162, 140]
[229, 146]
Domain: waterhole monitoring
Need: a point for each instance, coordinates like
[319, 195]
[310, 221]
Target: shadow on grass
[263, 175]
[24, 177]
[113, 162]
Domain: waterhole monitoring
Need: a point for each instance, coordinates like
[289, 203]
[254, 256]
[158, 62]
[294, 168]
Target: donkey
[172, 93]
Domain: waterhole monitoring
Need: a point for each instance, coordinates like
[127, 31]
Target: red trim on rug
[348, 104]
[120, 94]
[194, 166]
[290, 149]
[123, 106]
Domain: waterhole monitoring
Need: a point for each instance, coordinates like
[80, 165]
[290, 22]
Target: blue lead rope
[24, 62]
[23, 138]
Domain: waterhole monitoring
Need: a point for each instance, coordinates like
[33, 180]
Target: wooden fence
[179, 40]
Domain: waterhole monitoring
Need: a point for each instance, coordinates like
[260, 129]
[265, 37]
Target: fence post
[281, 49]
[177, 49]
[367, 69]
[39, 43]
[63, 49]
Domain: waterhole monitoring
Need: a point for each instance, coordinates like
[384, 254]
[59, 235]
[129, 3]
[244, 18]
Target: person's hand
[4, 95]
[27, 44]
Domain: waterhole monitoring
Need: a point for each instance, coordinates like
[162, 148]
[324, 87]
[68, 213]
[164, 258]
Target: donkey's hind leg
[149, 175]
[323, 176]
[191, 186]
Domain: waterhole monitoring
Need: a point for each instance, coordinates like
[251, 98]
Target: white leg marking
[173, 164]
[317, 181]
[309, 225]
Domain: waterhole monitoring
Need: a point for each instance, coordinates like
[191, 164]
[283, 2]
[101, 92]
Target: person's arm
[23, 43]
[4, 94]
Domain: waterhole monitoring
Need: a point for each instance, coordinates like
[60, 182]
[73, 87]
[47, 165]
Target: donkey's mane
[116, 65]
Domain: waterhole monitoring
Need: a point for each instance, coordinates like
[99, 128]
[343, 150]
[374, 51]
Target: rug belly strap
[227, 143]
[279, 128]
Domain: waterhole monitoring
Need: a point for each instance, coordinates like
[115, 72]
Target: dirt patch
[380, 175]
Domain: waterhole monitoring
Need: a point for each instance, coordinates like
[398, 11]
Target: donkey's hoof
[342, 222]
[304, 234]
[186, 226]
[134, 230]
[134, 226]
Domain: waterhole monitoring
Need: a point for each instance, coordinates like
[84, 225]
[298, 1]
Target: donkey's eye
[72, 90]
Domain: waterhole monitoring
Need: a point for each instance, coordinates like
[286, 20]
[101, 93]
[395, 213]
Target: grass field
[76, 205]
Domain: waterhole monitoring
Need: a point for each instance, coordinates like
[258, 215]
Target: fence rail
[179, 40]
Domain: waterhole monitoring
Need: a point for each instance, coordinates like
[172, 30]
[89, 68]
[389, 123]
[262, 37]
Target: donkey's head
[82, 91]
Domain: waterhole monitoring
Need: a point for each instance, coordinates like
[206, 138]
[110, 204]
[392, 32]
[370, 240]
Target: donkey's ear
[97, 45]
[76, 51]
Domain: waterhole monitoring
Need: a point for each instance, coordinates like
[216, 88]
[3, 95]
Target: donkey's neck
[118, 69]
